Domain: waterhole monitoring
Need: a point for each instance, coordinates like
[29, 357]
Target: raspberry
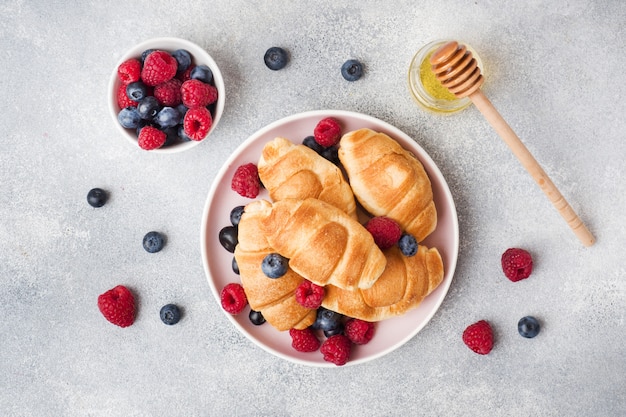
[186, 75]
[158, 67]
[246, 180]
[304, 340]
[129, 71]
[117, 305]
[327, 132]
[197, 123]
[195, 93]
[151, 138]
[359, 331]
[336, 349]
[517, 264]
[386, 232]
[168, 93]
[309, 295]
[122, 99]
[233, 298]
[479, 337]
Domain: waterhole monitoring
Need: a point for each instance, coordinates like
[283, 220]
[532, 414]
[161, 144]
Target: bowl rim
[169, 44]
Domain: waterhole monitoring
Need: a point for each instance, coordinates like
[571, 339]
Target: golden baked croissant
[295, 171]
[389, 181]
[324, 244]
[402, 287]
[274, 298]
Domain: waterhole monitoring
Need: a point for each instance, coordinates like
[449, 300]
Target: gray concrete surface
[555, 72]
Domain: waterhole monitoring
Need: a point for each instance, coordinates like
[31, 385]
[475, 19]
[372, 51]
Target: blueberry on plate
[170, 314]
[407, 245]
[235, 266]
[168, 117]
[352, 70]
[528, 327]
[331, 154]
[276, 58]
[201, 73]
[136, 91]
[328, 321]
[129, 118]
[256, 317]
[145, 54]
[153, 242]
[97, 197]
[183, 59]
[274, 265]
[228, 238]
[235, 215]
[310, 142]
[148, 108]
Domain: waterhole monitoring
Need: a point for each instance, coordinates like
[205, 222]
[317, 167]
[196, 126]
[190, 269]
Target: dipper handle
[458, 71]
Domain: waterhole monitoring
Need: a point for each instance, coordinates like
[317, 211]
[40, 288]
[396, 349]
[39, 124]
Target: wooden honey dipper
[457, 70]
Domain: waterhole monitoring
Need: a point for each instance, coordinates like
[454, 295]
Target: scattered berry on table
[246, 181]
[148, 108]
[233, 298]
[168, 93]
[517, 264]
[528, 327]
[256, 317]
[360, 332]
[151, 138]
[197, 123]
[158, 67]
[235, 266]
[129, 71]
[385, 231]
[276, 58]
[407, 244]
[274, 265]
[304, 340]
[128, 118]
[97, 197]
[136, 91]
[352, 70]
[327, 320]
[195, 93]
[167, 117]
[235, 215]
[117, 305]
[310, 142]
[309, 295]
[202, 73]
[228, 238]
[479, 337]
[183, 60]
[153, 242]
[337, 349]
[170, 314]
[122, 99]
[327, 132]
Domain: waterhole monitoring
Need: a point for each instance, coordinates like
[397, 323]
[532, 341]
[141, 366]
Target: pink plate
[391, 333]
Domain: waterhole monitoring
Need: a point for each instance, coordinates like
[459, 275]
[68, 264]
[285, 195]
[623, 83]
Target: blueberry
[256, 317]
[97, 197]
[276, 58]
[352, 70]
[182, 135]
[148, 108]
[202, 73]
[327, 320]
[167, 117]
[407, 244]
[183, 59]
[171, 136]
[310, 142]
[143, 123]
[235, 266]
[136, 91]
[528, 327]
[129, 118]
[228, 238]
[332, 154]
[274, 265]
[182, 109]
[153, 242]
[332, 332]
[170, 314]
[145, 54]
[235, 215]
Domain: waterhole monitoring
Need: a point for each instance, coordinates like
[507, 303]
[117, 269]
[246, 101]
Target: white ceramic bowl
[199, 57]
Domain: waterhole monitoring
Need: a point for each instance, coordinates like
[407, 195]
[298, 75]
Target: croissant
[324, 244]
[402, 287]
[274, 298]
[295, 171]
[389, 181]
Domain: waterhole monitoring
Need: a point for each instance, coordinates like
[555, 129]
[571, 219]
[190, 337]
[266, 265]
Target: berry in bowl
[166, 95]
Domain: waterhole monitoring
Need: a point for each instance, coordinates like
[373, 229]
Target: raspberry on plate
[168, 93]
[158, 68]
[151, 138]
[246, 181]
[117, 305]
[479, 337]
[197, 123]
[327, 132]
[517, 264]
[385, 231]
[195, 93]
[233, 298]
[360, 332]
[129, 71]
[304, 340]
[336, 349]
[309, 295]
[122, 99]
